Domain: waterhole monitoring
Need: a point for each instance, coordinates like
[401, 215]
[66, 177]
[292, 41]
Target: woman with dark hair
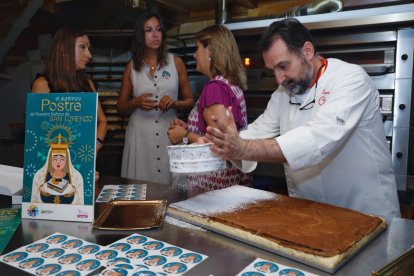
[149, 93]
[65, 71]
[217, 57]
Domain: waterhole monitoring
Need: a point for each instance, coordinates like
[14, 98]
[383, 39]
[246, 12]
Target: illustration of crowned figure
[58, 181]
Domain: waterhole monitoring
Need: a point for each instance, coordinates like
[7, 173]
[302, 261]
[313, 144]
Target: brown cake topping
[304, 225]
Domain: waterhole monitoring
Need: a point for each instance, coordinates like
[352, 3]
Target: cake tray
[131, 215]
[401, 265]
[229, 233]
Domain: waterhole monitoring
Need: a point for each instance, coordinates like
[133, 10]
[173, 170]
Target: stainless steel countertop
[225, 255]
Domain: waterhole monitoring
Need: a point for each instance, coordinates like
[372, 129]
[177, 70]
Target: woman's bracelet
[99, 142]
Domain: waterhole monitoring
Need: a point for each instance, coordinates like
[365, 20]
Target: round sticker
[291, 272]
[72, 244]
[106, 254]
[53, 253]
[70, 258]
[153, 245]
[116, 261]
[191, 258]
[114, 271]
[249, 273]
[15, 257]
[125, 266]
[174, 268]
[56, 239]
[144, 273]
[171, 251]
[48, 269]
[88, 249]
[37, 247]
[136, 239]
[31, 263]
[120, 246]
[155, 260]
[266, 267]
[69, 273]
[88, 265]
[136, 253]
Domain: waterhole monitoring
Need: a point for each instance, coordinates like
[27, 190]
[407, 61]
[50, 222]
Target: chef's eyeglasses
[307, 106]
[310, 104]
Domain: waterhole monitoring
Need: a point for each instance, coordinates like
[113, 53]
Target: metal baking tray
[131, 215]
[402, 265]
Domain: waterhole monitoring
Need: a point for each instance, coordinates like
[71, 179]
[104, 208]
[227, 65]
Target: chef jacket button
[159, 170]
[156, 121]
[158, 158]
[155, 76]
[156, 134]
[158, 146]
[155, 84]
[156, 97]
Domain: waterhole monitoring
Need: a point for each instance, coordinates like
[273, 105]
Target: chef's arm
[264, 150]
[267, 150]
[228, 144]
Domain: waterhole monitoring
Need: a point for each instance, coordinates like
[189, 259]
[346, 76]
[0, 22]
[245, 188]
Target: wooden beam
[171, 6]
[249, 4]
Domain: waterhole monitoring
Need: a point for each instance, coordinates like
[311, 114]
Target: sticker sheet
[141, 255]
[261, 267]
[58, 254]
[123, 192]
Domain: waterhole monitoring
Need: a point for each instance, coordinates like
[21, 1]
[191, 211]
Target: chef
[323, 123]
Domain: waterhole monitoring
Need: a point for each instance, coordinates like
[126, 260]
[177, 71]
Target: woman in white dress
[149, 93]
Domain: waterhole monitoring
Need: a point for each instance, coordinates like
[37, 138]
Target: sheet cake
[321, 235]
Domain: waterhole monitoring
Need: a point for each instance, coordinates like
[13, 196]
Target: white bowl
[194, 158]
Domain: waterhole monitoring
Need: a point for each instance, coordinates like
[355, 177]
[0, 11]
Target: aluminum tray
[131, 215]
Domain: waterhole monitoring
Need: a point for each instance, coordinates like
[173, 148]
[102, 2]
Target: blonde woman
[217, 57]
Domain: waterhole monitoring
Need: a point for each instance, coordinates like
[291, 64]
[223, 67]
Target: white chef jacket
[336, 151]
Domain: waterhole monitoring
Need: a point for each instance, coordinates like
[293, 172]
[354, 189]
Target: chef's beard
[301, 84]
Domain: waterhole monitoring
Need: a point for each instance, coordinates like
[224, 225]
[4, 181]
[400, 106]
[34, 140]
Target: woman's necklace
[152, 68]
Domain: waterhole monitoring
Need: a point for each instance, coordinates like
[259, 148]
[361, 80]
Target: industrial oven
[381, 40]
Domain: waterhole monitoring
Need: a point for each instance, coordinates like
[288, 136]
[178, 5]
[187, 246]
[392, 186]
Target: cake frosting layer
[304, 225]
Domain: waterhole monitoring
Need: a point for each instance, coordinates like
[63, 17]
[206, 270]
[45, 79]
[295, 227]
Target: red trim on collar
[321, 70]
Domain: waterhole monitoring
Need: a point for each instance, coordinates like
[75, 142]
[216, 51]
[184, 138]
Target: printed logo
[166, 75]
[82, 214]
[340, 121]
[46, 212]
[322, 99]
[33, 211]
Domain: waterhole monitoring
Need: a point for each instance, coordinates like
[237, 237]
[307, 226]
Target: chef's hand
[227, 143]
[166, 103]
[146, 102]
[176, 134]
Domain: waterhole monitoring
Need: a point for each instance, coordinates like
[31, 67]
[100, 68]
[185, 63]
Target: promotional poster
[9, 221]
[59, 157]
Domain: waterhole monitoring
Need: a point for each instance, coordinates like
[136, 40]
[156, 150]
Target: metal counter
[225, 255]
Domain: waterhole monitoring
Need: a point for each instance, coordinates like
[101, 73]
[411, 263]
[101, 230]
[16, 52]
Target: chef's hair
[291, 31]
